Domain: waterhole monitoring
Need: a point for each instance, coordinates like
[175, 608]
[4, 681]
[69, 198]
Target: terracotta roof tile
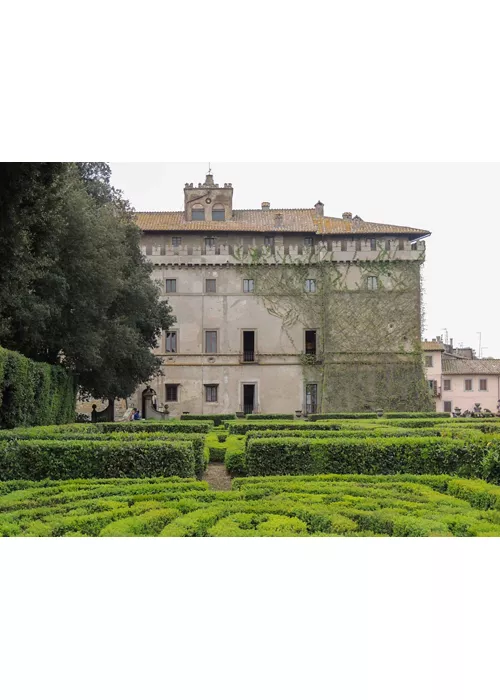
[277, 220]
[432, 345]
[462, 366]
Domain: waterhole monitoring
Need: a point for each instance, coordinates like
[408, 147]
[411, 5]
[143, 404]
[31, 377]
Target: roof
[277, 220]
[432, 345]
[463, 366]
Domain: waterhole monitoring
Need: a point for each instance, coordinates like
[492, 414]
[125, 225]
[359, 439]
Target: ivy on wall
[368, 353]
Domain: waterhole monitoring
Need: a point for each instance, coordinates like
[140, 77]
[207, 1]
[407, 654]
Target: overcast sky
[456, 202]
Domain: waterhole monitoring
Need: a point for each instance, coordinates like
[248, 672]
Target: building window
[446, 384]
[171, 286]
[387, 245]
[372, 283]
[310, 286]
[218, 213]
[311, 398]
[373, 244]
[447, 406]
[432, 386]
[483, 385]
[343, 246]
[358, 245]
[310, 342]
[176, 241]
[429, 361]
[210, 286]
[414, 246]
[211, 342]
[211, 393]
[171, 341]
[197, 213]
[209, 243]
[308, 241]
[248, 286]
[149, 249]
[171, 392]
[269, 240]
[468, 385]
[401, 244]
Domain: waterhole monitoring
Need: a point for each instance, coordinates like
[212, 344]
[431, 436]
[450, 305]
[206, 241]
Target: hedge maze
[343, 475]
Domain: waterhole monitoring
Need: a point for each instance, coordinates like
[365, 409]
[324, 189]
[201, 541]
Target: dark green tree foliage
[78, 290]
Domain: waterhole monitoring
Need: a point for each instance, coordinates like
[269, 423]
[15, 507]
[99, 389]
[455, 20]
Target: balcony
[248, 356]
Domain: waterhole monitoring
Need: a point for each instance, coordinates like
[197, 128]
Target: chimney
[320, 208]
[265, 206]
[347, 215]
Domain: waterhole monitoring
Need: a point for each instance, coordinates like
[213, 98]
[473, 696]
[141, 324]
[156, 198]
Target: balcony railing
[248, 356]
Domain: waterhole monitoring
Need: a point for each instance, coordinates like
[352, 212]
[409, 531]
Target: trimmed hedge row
[421, 414]
[34, 393]
[417, 455]
[168, 426]
[242, 427]
[217, 419]
[358, 434]
[270, 416]
[349, 416]
[66, 459]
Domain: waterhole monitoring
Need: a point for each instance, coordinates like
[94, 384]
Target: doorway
[248, 398]
[248, 346]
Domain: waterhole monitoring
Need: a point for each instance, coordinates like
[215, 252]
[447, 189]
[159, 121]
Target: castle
[284, 310]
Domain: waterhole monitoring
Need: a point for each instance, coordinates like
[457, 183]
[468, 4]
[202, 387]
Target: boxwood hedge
[417, 455]
[217, 419]
[349, 416]
[167, 426]
[242, 427]
[71, 459]
[270, 416]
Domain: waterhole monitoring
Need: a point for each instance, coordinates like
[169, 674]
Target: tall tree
[82, 291]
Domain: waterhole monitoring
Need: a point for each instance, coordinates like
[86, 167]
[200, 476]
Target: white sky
[457, 202]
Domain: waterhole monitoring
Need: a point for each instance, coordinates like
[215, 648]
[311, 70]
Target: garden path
[217, 477]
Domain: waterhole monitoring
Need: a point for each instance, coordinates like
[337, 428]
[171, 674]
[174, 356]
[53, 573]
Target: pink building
[458, 381]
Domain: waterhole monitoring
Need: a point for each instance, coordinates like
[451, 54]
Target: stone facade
[243, 330]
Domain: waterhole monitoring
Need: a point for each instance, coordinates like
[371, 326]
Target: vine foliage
[368, 352]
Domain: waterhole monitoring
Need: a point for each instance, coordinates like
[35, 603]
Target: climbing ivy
[368, 353]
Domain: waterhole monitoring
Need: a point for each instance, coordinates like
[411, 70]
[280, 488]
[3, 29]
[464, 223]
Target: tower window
[209, 243]
[211, 393]
[171, 392]
[210, 286]
[248, 286]
[310, 285]
[358, 245]
[372, 283]
[373, 244]
[343, 246]
[197, 213]
[171, 341]
[401, 244]
[387, 244]
[171, 286]
[176, 241]
[308, 241]
[269, 240]
[211, 341]
[218, 213]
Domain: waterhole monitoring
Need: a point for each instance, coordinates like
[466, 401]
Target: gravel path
[217, 477]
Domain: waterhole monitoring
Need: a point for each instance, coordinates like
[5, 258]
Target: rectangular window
[269, 240]
[248, 286]
[176, 241]
[198, 214]
[358, 245]
[171, 341]
[432, 386]
[210, 286]
[211, 341]
[372, 283]
[447, 406]
[310, 286]
[218, 214]
[170, 286]
[211, 393]
[446, 384]
[310, 342]
[343, 246]
[401, 244]
[468, 385]
[149, 249]
[311, 398]
[373, 244]
[308, 241]
[414, 246]
[387, 245]
[209, 243]
[171, 392]
[429, 361]
[483, 385]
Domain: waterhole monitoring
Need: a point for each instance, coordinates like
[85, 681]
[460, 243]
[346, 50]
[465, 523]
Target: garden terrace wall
[418, 455]
[65, 459]
[34, 393]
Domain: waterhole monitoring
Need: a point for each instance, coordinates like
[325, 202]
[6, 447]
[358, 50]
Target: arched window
[218, 213]
[198, 213]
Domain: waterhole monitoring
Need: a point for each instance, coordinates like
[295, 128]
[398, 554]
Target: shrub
[167, 426]
[242, 427]
[416, 414]
[270, 416]
[274, 456]
[358, 434]
[235, 459]
[216, 419]
[349, 416]
[53, 459]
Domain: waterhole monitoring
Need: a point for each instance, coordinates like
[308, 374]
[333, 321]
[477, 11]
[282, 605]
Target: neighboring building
[281, 310]
[461, 380]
